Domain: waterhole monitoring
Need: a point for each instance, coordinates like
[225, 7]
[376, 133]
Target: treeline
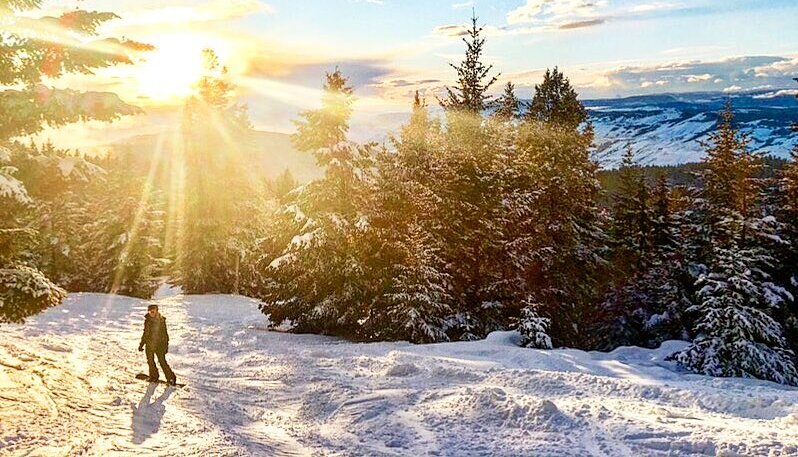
[684, 175]
[491, 218]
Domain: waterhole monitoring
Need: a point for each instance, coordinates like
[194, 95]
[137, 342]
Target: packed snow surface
[67, 387]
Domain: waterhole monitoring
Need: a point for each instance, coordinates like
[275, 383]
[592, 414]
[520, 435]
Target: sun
[171, 71]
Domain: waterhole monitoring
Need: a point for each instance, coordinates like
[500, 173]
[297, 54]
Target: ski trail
[67, 388]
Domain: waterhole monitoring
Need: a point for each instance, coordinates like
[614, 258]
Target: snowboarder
[156, 340]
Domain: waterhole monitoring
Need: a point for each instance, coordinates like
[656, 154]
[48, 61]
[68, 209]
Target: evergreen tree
[324, 127]
[787, 256]
[58, 182]
[281, 186]
[736, 335]
[317, 275]
[555, 102]
[24, 290]
[417, 300]
[662, 229]
[471, 92]
[729, 181]
[125, 235]
[508, 106]
[318, 279]
[632, 216]
[216, 135]
[27, 59]
[533, 328]
[419, 127]
[736, 299]
[567, 248]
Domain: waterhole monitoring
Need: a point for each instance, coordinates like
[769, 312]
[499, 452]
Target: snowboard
[145, 377]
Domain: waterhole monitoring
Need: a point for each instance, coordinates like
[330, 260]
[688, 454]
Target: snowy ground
[67, 388]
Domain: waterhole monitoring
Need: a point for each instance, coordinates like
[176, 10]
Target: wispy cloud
[459, 30]
[698, 78]
[555, 12]
[581, 24]
[749, 73]
[214, 10]
[537, 16]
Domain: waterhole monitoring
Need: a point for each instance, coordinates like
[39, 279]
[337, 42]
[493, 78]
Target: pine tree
[24, 290]
[318, 279]
[126, 233]
[282, 185]
[27, 59]
[567, 248]
[736, 299]
[662, 234]
[417, 301]
[632, 216]
[317, 275]
[736, 336]
[787, 257]
[555, 102]
[324, 127]
[534, 328]
[729, 182]
[508, 106]
[471, 92]
[58, 182]
[216, 135]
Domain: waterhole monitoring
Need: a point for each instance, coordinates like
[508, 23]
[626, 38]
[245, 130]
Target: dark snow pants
[162, 361]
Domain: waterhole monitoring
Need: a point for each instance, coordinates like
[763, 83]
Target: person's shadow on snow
[147, 415]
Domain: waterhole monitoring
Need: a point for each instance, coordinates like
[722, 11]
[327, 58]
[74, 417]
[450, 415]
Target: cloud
[660, 82]
[655, 6]
[783, 67]
[451, 30]
[460, 30]
[778, 93]
[462, 5]
[555, 12]
[747, 73]
[698, 78]
[581, 24]
[214, 10]
[407, 83]
[732, 89]
[562, 15]
[361, 72]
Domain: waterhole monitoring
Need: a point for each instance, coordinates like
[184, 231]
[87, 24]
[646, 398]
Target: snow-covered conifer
[534, 328]
[736, 336]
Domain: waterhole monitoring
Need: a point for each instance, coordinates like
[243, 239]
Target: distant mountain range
[272, 154]
[663, 130]
[666, 129]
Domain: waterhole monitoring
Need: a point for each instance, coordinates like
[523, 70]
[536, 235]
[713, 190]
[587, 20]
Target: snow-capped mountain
[666, 129]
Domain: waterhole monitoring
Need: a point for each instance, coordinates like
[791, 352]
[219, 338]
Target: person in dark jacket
[156, 341]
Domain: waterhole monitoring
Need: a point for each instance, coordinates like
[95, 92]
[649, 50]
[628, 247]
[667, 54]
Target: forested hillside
[490, 217]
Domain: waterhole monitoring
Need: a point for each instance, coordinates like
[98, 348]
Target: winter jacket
[155, 335]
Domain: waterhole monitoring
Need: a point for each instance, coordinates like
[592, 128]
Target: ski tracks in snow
[67, 388]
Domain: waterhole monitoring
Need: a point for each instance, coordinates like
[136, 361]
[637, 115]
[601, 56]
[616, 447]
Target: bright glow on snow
[67, 383]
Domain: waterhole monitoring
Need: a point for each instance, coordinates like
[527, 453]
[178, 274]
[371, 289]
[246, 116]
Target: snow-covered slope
[667, 129]
[67, 388]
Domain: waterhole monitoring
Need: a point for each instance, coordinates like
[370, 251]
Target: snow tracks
[67, 388]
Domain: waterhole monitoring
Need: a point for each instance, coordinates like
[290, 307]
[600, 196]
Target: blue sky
[279, 50]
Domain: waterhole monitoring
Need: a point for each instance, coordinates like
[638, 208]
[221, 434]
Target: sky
[277, 51]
